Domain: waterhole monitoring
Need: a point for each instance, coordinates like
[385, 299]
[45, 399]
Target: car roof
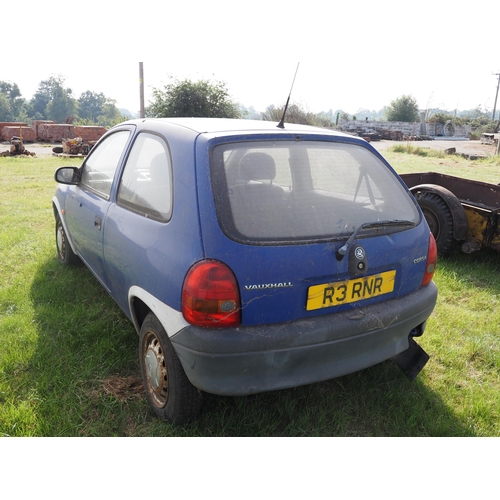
[224, 125]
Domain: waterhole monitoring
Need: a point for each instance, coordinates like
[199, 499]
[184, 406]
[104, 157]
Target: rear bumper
[247, 360]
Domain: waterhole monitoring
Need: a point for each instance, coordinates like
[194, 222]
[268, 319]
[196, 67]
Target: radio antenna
[281, 124]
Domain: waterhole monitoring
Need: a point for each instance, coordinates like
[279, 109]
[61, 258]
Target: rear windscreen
[292, 192]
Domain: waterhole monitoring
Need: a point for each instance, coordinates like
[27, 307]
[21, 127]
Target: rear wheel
[65, 253]
[168, 390]
[440, 221]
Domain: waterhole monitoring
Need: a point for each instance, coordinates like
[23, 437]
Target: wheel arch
[141, 303]
[460, 224]
[58, 213]
[139, 311]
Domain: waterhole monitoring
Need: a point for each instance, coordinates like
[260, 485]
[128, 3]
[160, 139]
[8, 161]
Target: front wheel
[65, 253]
[168, 390]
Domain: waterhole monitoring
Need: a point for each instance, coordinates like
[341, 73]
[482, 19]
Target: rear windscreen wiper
[370, 225]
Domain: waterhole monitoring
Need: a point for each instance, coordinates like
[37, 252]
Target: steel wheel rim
[155, 369]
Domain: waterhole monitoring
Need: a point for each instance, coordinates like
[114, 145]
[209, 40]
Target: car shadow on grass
[85, 365]
[86, 373]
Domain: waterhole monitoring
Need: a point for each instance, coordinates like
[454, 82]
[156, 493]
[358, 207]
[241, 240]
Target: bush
[444, 118]
[403, 109]
[193, 99]
[296, 114]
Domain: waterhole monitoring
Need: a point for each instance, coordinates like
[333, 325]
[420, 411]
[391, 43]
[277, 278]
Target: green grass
[68, 355]
[409, 148]
[409, 159]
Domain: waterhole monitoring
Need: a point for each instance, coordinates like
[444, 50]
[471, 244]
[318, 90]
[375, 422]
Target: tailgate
[277, 212]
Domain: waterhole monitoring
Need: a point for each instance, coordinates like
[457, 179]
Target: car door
[87, 205]
[135, 243]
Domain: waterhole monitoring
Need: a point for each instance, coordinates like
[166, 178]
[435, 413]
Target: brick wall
[10, 124]
[46, 130]
[54, 132]
[8, 132]
[89, 133]
[36, 123]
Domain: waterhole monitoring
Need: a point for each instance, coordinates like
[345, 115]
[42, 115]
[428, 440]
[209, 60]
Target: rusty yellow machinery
[459, 211]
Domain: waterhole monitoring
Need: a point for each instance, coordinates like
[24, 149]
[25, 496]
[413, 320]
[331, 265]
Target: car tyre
[168, 390]
[440, 221]
[65, 253]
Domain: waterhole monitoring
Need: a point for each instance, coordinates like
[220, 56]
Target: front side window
[146, 183]
[100, 167]
[299, 191]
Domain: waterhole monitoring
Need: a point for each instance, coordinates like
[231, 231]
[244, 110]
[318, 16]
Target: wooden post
[141, 83]
[496, 96]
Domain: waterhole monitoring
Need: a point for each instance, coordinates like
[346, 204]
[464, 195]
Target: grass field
[68, 355]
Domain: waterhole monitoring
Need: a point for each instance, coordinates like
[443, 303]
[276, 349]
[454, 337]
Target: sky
[354, 55]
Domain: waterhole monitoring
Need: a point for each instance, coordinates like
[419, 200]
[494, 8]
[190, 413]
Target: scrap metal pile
[74, 147]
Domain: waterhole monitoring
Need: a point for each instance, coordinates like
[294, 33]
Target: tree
[61, 107]
[90, 105]
[52, 101]
[403, 109]
[296, 114]
[196, 99]
[43, 96]
[5, 109]
[250, 113]
[11, 103]
[97, 109]
[110, 114]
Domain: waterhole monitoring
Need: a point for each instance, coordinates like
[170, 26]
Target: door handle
[97, 222]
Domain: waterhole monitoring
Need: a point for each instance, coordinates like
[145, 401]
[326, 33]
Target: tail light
[430, 265]
[210, 295]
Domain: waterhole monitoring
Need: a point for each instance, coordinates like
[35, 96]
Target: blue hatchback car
[249, 257]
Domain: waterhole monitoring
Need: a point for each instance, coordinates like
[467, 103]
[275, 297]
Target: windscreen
[296, 191]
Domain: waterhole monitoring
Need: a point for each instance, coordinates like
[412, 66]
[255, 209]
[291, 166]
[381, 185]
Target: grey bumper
[247, 360]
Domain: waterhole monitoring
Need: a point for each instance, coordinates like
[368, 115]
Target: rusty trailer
[459, 211]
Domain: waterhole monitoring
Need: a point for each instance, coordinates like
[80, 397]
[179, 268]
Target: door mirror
[67, 175]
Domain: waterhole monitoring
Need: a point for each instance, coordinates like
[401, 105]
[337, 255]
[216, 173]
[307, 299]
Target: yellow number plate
[344, 292]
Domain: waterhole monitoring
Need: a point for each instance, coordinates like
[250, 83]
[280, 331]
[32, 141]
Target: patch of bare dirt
[123, 388]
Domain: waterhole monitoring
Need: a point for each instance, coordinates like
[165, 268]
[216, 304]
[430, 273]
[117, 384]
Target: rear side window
[146, 183]
[293, 192]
